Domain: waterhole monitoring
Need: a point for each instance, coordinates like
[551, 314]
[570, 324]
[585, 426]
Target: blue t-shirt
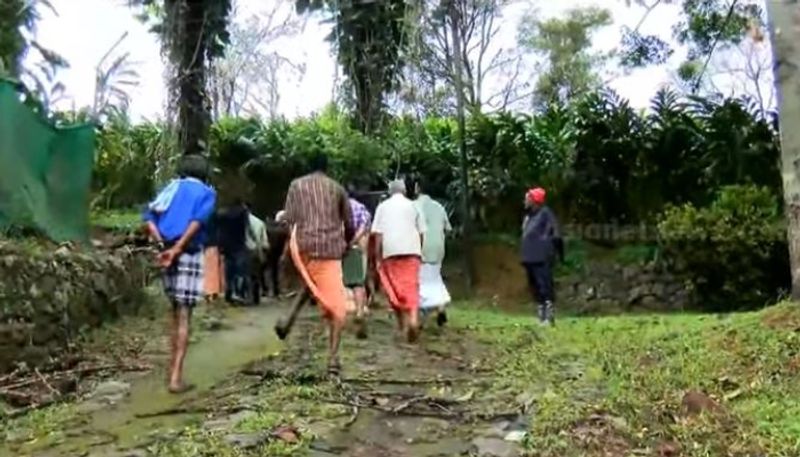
[193, 201]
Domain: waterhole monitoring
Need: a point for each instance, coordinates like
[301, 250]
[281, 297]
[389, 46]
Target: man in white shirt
[257, 245]
[399, 230]
[432, 290]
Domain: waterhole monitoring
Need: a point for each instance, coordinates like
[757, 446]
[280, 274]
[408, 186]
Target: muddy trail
[258, 396]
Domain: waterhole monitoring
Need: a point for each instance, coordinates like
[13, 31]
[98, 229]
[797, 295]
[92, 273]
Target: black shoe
[281, 329]
[441, 319]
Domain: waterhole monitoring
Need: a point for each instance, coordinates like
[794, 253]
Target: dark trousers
[237, 275]
[273, 264]
[540, 281]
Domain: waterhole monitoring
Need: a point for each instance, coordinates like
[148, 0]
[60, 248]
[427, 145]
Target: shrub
[733, 251]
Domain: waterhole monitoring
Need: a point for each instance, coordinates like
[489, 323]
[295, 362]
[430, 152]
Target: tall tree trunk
[455, 22]
[188, 45]
[784, 16]
[193, 115]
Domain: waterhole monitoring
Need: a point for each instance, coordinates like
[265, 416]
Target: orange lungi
[324, 279]
[400, 280]
[212, 272]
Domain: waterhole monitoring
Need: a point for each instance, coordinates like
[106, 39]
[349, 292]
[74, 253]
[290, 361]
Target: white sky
[84, 30]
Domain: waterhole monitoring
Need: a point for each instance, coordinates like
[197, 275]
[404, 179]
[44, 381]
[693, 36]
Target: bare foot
[181, 388]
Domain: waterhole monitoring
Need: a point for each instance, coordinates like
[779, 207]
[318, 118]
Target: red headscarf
[536, 195]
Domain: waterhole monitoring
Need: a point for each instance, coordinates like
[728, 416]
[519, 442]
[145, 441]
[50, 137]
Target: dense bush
[601, 160]
[734, 251]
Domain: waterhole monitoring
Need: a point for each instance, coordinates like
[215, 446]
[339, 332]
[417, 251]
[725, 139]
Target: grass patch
[43, 425]
[629, 374]
[118, 220]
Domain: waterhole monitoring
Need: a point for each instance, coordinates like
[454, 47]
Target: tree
[114, 74]
[369, 36]
[706, 27]
[246, 79]
[18, 19]
[786, 41]
[745, 69]
[571, 66]
[193, 33]
[430, 75]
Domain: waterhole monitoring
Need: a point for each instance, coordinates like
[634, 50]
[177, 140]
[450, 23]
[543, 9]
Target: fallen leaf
[466, 397]
[287, 434]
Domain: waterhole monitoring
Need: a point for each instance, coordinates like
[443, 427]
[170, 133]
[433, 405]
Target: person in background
[541, 242]
[177, 219]
[232, 227]
[257, 245]
[277, 234]
[213, 268]
[432, 290]
[354, 262]
[318, 212]
[400, 228]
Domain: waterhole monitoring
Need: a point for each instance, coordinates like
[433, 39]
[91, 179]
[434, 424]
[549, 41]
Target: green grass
[123, 220]
[634, 371]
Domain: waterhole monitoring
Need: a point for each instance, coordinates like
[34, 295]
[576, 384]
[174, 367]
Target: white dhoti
[432, 291]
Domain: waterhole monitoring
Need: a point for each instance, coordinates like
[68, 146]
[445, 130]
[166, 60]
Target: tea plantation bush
[733, 251]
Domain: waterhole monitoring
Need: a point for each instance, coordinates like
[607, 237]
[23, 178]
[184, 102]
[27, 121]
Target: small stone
[287, 434]
[227, 422]
[696, 402]
[516, 436]
[213, 324]
[110, 391]
[493, 447]
[668, 449]
[247, 440]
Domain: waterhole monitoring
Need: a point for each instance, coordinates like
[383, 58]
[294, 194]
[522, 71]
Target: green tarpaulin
[45, 171]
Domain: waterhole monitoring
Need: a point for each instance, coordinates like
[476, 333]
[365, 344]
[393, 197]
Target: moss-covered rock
[47, 297]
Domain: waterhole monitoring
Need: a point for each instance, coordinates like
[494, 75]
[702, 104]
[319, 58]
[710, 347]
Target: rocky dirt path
[258, 396]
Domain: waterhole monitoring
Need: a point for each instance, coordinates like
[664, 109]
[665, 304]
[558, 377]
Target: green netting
[45, 171]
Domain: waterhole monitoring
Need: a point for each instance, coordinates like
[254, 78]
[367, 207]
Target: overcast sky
[84, 38]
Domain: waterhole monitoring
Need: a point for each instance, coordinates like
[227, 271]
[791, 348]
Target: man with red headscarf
[541, 241]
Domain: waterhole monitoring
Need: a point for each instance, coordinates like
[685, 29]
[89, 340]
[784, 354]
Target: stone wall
[605, 287]
[602, 286]
[48, 297]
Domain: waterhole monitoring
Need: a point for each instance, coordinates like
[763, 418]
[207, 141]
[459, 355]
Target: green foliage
[600, 159]
[636, 254]
[13, 17]
[705, 26]
[734, 250]
[710, 21]
[127, 161]
[566, 43]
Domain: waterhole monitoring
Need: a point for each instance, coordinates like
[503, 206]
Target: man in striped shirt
[318, 212]
[354, 263]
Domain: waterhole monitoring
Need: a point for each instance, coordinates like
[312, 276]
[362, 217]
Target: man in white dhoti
[434, 296]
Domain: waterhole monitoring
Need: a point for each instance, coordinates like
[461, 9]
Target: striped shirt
[361, 217]
[320, 209]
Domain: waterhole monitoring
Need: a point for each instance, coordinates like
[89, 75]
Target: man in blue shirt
[177, 219]
[541, 243]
